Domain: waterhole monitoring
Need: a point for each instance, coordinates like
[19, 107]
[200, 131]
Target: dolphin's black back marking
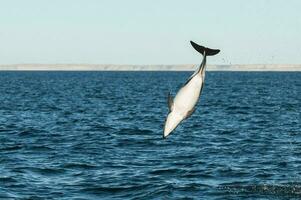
[201, 49]
[201, 68]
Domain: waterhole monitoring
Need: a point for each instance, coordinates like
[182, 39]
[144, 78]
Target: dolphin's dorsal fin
[170, 102]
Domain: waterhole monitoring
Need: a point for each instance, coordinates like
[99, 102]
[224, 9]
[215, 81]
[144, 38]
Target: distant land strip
[109, 67]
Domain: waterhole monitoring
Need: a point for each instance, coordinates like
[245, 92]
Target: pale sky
[149, 31]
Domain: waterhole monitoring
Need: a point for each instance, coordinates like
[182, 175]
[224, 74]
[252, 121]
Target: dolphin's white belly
[188, 96]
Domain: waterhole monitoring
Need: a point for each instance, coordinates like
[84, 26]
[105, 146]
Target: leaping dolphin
[183, 105]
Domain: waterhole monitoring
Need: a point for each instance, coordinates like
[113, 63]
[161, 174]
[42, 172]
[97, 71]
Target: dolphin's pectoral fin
[190, 112]
[170, 102]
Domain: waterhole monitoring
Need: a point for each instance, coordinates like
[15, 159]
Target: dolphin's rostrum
[183, 105]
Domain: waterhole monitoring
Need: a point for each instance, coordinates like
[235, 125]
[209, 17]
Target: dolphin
[184, 103]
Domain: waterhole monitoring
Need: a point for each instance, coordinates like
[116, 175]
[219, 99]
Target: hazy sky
[149, 32]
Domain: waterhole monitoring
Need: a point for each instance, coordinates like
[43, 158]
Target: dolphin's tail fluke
[202, 50]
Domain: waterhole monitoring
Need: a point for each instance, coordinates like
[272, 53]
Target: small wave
[99, 127]
[134, 131]
[11, 148]
[7, 180]
[43, 171]
[170, 171]
[50, 171]
[39, 148]
[78, 166]
[8, 195]
[155, 192]
[114, 189]
[30, 131]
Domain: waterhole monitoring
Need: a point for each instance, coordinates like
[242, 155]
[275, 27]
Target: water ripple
[98, 135]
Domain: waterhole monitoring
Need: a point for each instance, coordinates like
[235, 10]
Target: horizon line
[186, 64]
[162, 67]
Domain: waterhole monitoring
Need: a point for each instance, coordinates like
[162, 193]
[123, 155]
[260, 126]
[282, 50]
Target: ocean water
[98, 135]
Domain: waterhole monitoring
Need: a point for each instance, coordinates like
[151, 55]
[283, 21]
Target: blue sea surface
[98, 135]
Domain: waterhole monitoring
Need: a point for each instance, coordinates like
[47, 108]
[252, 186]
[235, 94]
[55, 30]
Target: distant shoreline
[109, 67]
